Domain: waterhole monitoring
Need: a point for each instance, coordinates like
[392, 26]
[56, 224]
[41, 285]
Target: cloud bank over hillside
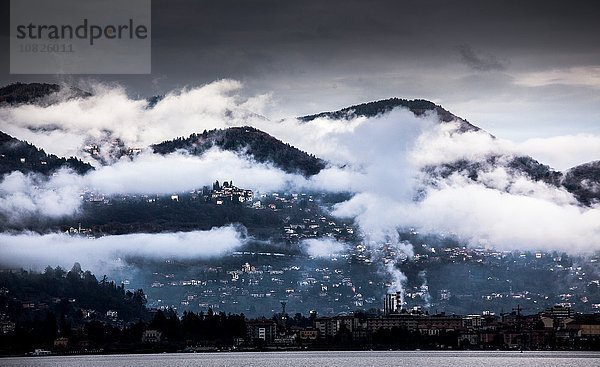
[384, 161]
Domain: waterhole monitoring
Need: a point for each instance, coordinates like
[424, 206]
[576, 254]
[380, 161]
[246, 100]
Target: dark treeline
[63, 334]
[35, 308]
[199, 328]
[66, 292]
[71, 310]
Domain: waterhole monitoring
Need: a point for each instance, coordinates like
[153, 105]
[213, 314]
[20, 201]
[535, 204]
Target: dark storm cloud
[205, 40]
[316, 55]
[480, 62]
[296, 33]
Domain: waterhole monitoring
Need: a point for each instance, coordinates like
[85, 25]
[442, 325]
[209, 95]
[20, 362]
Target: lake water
[316, 359]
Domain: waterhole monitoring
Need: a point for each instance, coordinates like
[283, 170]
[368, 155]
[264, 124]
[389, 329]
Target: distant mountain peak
[250, 141]
[26, 93]
[371, 109]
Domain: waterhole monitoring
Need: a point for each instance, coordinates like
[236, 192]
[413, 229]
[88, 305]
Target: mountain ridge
[263, 147]
[419, 107]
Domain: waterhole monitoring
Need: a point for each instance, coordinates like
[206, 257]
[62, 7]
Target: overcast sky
[519, 69]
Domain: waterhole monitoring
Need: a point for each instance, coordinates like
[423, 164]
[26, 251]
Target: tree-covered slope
[17, 155]
[261, 146]
[417, 106]
[18, 93]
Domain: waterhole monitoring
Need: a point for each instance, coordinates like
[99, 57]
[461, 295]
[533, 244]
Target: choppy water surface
[316, 359]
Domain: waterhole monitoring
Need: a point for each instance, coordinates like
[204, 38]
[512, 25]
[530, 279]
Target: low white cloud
[323, 247]
[177, 172]
[31, 195]
[525, 216]
[502, 208]
[502, 220]
[35, 251]
[23, 196]
[563, 152]
[65, 128]
[441, 144]
[369, 154]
